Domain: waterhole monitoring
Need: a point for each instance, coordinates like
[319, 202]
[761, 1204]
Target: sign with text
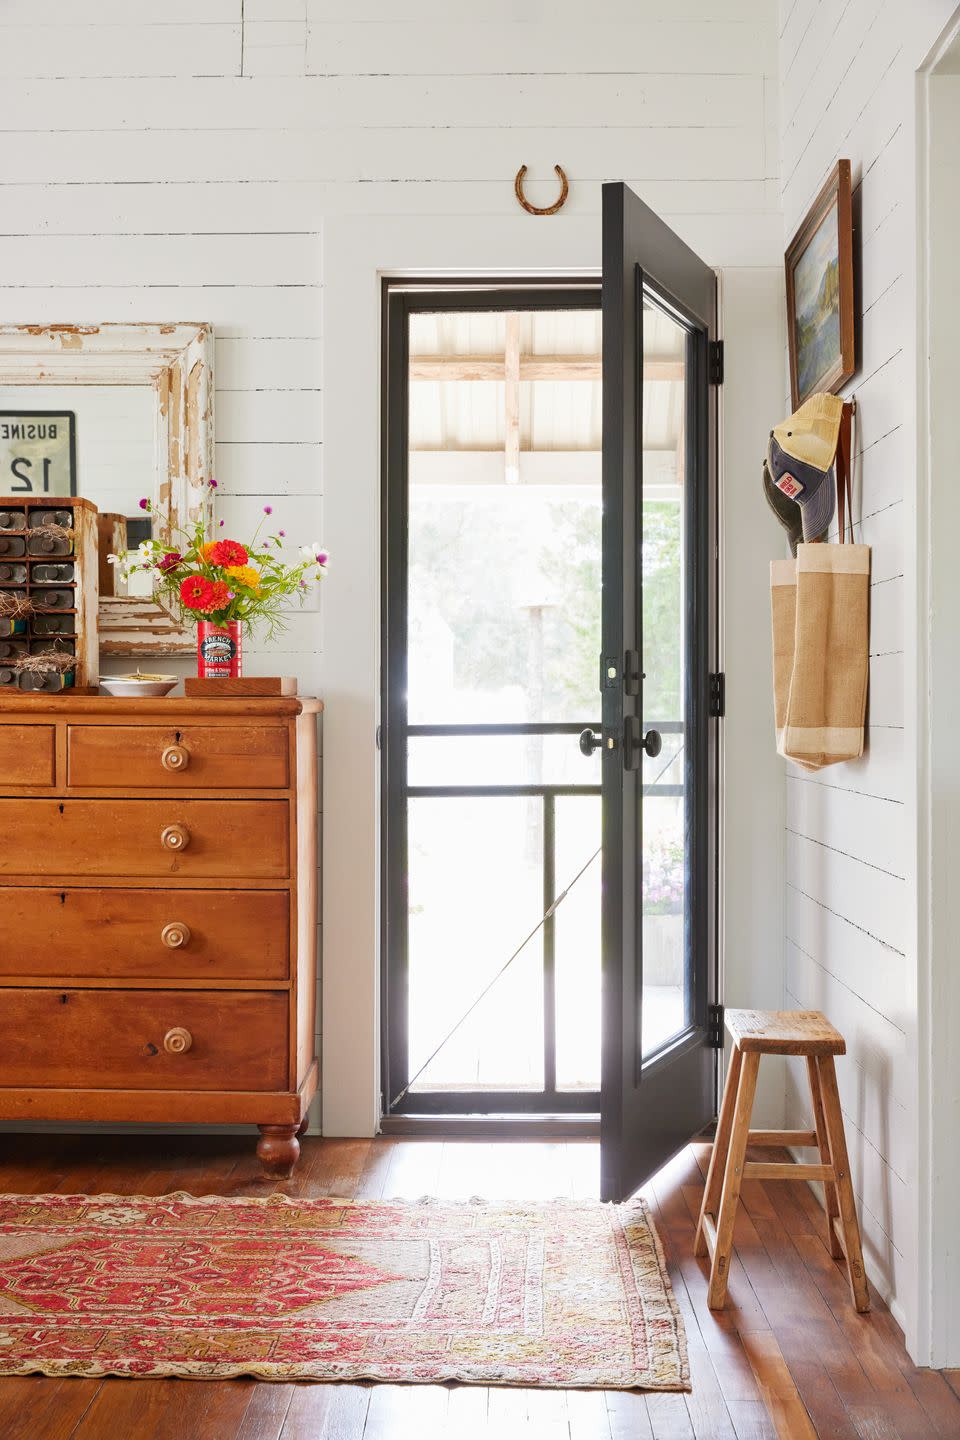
[38, 452]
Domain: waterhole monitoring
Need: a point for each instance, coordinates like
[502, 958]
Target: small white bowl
[128, 686]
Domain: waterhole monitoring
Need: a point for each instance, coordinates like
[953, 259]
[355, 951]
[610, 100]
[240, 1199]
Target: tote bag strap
[843, 464]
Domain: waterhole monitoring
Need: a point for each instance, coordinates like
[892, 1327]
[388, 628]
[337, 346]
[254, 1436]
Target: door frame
[399, 297]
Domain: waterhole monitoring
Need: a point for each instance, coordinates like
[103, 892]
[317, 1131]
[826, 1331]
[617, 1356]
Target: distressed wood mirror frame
[177, 360]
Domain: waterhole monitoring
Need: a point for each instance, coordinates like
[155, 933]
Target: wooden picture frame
[819, 275]
[177, 361]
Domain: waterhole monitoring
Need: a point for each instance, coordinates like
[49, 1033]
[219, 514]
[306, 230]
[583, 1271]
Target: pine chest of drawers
[158, 913]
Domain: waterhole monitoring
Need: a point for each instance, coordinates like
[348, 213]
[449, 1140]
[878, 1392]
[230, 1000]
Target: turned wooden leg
[823, 1144]
[732, 1180]
[845, 1198]
[278, 1150]
[718, 1156]
[303, 1127]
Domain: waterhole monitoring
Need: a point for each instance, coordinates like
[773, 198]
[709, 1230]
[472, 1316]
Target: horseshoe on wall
[541, 209]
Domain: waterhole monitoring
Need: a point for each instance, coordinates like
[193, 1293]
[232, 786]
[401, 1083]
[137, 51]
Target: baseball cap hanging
[800, 456]
[786, 510]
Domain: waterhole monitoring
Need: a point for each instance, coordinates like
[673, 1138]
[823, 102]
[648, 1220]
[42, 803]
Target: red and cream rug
[565, 1294]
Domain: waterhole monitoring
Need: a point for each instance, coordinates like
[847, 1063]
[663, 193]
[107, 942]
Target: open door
[659, 545]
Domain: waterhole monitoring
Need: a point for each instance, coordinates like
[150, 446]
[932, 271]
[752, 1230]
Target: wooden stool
[779, 1032]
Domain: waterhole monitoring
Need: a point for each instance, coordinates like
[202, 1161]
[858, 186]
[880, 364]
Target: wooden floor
[788, 1358]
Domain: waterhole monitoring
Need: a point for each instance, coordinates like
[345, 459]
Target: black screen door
[658, 1072]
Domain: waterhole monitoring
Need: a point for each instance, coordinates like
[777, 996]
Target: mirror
[113, 413]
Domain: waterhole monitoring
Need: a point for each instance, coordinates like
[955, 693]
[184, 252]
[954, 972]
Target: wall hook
[541, 209]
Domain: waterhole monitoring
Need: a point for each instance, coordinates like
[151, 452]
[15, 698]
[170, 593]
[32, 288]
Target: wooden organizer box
[84, 559]
[158, 893]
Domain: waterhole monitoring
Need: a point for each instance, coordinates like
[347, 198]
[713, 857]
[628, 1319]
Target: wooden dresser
[158, 913]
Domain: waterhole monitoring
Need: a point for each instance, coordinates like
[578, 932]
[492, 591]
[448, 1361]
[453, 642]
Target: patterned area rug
[565, 1294]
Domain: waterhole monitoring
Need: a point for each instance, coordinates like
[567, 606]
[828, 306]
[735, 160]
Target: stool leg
[732, 1179]
[829, 1188]
[718, 1156]
[841, 1165]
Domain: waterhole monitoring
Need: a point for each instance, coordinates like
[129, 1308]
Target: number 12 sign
[38, 452]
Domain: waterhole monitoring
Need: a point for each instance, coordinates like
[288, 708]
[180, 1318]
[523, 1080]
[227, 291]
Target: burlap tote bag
[820, 679]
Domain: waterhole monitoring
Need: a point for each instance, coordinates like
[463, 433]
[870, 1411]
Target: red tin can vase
[219, 650]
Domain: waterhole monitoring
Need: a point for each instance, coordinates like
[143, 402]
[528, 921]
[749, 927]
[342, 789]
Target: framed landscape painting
[819, 268]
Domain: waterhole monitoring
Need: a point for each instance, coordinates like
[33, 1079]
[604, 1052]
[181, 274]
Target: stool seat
[779, 1032]
[784, 1032]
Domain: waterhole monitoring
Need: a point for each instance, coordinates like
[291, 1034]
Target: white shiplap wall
[848, 89]
[195, 160]
[179, 161]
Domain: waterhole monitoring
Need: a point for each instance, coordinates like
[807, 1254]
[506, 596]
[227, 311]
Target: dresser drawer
[146, 934]
[27, 755]
[144, 1039]
[189, 839]
[195, 757]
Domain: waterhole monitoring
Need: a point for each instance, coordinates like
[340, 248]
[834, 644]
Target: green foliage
[573, 563]
[479, 564]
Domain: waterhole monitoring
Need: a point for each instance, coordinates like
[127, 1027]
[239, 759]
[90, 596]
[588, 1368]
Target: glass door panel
[665, 1002]
[476, 887]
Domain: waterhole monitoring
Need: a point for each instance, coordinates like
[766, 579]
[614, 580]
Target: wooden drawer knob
[177, 1041]
[175, 757]
[175, 837]
[176, 935]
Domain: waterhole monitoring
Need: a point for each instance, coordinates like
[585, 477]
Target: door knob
[177, 1041]
[175, 935]
[653, 743]
[589, 741]
[634, 741]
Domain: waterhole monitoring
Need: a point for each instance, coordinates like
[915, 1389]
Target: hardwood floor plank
[777, 1388]
[335, 1167]
[407, 1412]
[873, 1424]
[376, 1167]
[587, 1415]
[583, 1160]
[628, 1416]
[467, 1410]
[751, 1420]
[266, 1411]
[415, 1170]
[144, 1408]
[33, 1407]
[938, 1400]
[327, 1412]
[952, 1378]
[823, 1405]
[936, 1397]
[669, 1417]
[705, 1404]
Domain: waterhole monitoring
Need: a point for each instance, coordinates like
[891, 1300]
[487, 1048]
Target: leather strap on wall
[842, 467]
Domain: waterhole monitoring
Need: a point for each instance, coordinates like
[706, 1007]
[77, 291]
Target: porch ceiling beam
[531, 367]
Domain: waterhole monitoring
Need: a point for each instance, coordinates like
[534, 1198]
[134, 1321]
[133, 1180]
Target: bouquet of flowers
[223, 581]
[224, 585]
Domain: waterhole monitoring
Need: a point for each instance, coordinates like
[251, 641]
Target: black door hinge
[717, 695]
[715, 362]
[715, 1027]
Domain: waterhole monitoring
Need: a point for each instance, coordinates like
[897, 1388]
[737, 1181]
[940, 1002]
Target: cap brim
[786, 510]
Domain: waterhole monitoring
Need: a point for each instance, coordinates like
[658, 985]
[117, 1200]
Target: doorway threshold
[493, 1127]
